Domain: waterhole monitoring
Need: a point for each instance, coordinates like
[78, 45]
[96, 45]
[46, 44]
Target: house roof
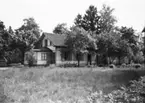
[42, 49]
[56, 39]
[143, 29]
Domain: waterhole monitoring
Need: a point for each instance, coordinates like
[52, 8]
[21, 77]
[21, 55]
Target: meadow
[61, 85]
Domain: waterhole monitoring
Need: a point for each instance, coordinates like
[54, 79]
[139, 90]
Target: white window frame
[43, 56]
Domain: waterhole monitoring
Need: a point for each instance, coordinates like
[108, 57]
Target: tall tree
[131, 47]
[128, 34]
[2, 42]
[61, 29]
[107, 19]
[107, 46]
[90, 21]
[5, 39]
[26, 36]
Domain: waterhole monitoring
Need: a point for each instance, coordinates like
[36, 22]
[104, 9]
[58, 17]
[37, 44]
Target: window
[66, 55]
[43, 56]
[46, 43]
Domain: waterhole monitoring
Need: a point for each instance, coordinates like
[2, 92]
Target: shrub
[137, 66]
[68, 64]
[135, 93]
[100, 65]
[123, 65]
[29, 58]
[112, 66]
[139, 58]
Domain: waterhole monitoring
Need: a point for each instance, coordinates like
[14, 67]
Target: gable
[56, 39]
[143, 30]
[53, 39]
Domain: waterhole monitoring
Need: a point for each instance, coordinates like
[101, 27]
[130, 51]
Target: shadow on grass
[112, 80]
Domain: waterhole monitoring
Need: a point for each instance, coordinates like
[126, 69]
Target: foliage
[94, 21]
[78, 41]
[21, 40]
[13, 56]
[5, 39]
[128, 34]
[107, 45]
[68, 64]
[139, 58]
[61, 29]
[101, 23]
[28, 33]
[132, 94]
[112, 66]
[26, 36]
[29, 57]
[107, 19]
[90, 21]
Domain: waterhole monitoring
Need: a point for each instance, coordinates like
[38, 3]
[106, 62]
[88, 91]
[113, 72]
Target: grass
[45, 84]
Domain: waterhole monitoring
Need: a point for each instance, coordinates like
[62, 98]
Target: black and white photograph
[72, 51]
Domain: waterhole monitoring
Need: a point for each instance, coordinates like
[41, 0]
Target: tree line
[93, 32]
[96, 32]
[14, 43]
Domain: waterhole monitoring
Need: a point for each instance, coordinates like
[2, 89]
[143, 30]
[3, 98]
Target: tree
[128, 35]
[2, 26]
[5, 39]
[107, 46]
[61, 29]
[26, 36]
[99, 23]
[78, 42]
[107, 19]
[90, 21]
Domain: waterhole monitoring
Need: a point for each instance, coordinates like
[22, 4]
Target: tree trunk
[23, 56]
[119, 60]
[78, 59]
[78, 63]
[89, 59]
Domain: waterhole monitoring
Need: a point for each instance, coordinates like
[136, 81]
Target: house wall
[58, 58]
[39, 60]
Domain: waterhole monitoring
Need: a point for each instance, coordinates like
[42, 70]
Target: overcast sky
[48, 13]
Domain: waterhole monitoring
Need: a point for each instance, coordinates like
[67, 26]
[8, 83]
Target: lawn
[68, 85]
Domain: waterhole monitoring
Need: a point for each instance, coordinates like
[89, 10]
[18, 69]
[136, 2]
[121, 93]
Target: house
[51, 49]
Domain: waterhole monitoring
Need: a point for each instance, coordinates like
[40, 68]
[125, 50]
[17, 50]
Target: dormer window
[47, 43]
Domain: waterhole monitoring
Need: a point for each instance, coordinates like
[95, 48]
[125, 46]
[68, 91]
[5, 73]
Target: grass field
[68, 85]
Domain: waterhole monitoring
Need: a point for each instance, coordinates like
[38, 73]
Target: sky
[49, 13]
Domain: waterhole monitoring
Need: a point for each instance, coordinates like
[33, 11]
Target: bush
[29, 58]
[112, 66]
[139, 58]
[137, 66]
[135, 93]
[68, 64]
[100, 65]
[123, 65]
